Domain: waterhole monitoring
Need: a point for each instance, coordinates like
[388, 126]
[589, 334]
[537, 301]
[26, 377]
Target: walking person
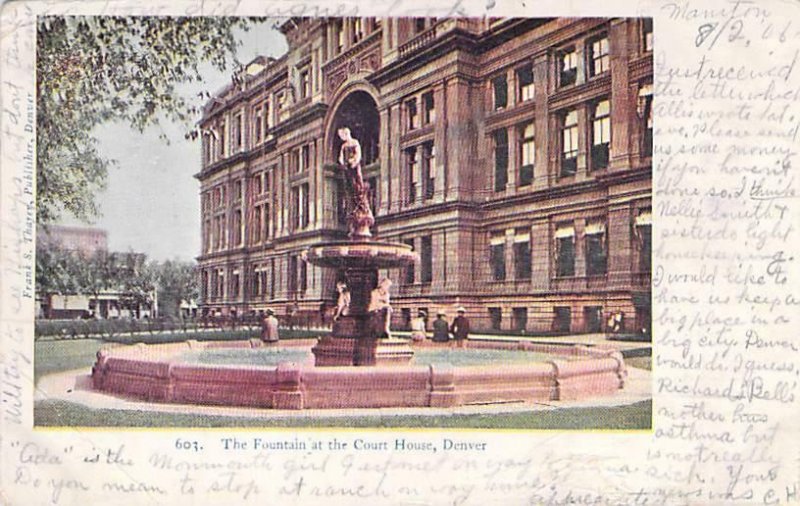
[441, 331]
[269, 328]
[460, 328]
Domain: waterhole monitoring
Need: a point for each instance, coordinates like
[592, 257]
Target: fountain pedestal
[357, 339]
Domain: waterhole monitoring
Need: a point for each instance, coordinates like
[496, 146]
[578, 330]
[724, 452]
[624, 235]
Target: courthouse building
[514, 155]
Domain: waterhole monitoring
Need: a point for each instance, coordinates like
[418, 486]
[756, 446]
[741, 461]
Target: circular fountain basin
[532, 373]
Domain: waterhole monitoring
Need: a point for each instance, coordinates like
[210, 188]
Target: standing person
[418, 327]
[460, 328]
[269, 328]
[441, 332]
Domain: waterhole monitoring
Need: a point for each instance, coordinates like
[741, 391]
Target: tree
[177, 282]
[91, 70]
[96, 273]
[55, 273]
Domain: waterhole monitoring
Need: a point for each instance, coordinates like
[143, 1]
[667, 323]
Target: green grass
[634, 416]
[57, 356]
[640, 362]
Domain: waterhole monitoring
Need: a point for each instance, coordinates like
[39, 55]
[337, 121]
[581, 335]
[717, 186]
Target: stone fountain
[360, 334]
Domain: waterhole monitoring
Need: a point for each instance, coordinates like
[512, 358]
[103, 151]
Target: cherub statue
[343, 304]
[379, 308]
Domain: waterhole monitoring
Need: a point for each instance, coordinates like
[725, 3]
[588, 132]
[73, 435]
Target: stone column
[440, 141]
[419, 187]
[385, 171]
[461, 139]
[396, 159]
[580, 248]
[544, 136]
[584, 149]
[620, 246]
[513, 159]
[541, 255]
[623, 102]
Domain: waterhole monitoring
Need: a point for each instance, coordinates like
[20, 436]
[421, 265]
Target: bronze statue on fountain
[361, 331]
[360, 219]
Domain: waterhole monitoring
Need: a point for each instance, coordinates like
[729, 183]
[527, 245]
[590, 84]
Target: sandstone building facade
[513, 154]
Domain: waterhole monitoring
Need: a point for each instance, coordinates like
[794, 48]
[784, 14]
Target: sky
[151, 203]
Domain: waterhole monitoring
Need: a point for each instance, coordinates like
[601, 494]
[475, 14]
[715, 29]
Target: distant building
[88, 242]
[85, 240]
[514, 155]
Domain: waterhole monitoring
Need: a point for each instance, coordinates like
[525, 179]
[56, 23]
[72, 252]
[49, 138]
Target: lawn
[634, 416]
[56, 356]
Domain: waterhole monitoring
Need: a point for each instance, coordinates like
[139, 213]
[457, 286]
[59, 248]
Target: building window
[341, 203]
[411, 174]
[413, 116]
[527, 146]
[562, 319]
[525, 83]
[303, 275]
[495, 318]
[409, 271]
[497, 256]
[358, 29]
[235, 285]
[265, 213]
[267, 119]
[598, 55]
[426, 260]
[305, 84]
[569, 144]
[644, 108]
[237, 190]
[522, 254]
[257, 125]
[568, 72]
[272, 278]
[237, 227]
[372, 183]
[255, 184]
[305, 157]
[601, 134]
[642, 227]
[593, 318]
[301, 206]
[500, 159]
[520, 318]
[223, 149]
[429, 108]
[595, 244]
[500, 92]
[237, 132]
[338, 29]
[257, 224]
[206, 150]
[565, 251]
[428, 169]
[647, 33]
[221, 284]
[419, 25]
[291, 275]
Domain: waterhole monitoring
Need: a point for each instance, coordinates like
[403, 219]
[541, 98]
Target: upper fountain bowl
[361, 254]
